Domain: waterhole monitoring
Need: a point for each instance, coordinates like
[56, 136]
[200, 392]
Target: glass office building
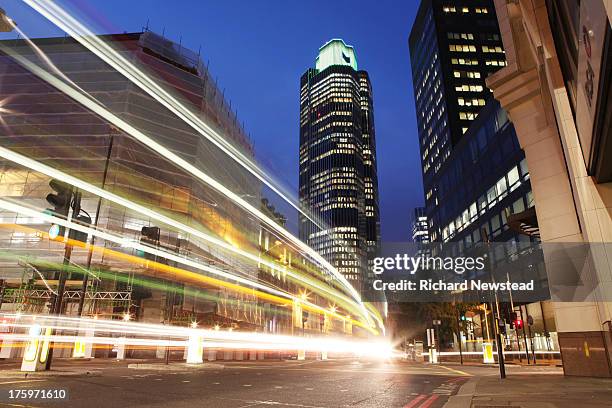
[454, 46]
[338, 179]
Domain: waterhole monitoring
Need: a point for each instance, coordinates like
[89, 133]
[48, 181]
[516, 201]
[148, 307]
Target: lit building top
[336, 52]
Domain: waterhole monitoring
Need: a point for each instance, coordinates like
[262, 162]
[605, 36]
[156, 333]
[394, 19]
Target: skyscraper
[454, 46]
[338, 180]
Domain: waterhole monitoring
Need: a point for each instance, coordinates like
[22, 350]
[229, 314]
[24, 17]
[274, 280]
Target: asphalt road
[309, 384]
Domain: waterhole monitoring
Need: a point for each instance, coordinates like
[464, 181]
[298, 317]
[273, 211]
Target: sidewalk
[533, 390]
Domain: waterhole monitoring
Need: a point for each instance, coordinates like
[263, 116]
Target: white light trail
[56, 174]
[178, 336]
[103, 112]
[128, 243]
[74, 28]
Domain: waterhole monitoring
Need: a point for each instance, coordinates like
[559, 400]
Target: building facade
[420, 233]
[48, 126]
[338, 181]
[454, 46]
[556, 90]
[476, 179]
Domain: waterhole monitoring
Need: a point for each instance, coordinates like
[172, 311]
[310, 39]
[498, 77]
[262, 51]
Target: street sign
[530, 320]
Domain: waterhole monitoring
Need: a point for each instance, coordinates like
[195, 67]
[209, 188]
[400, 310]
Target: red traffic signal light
[518, 323]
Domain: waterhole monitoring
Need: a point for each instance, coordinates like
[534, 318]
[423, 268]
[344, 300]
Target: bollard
[6, 349]
[120, 349]
[89, 350]
[487, 353]
[36, 349]
[195, 349]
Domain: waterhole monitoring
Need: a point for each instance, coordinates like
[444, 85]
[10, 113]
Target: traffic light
[518, 324]
[60, 200]
[304, 316]
[150, 236]
[84, 220]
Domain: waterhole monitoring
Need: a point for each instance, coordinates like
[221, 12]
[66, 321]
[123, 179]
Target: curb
[175, 366]
[463, 398]
[39, 374]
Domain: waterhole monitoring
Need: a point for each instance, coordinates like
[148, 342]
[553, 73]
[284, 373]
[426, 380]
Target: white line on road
[20, 381]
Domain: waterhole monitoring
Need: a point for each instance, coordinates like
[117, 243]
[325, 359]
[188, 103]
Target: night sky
[258, 49]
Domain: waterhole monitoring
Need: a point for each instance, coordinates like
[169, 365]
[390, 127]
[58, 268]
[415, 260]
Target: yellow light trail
[66, 22]
[188, 276]
[54, 173]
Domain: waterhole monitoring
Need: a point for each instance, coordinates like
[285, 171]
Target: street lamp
[126, 317]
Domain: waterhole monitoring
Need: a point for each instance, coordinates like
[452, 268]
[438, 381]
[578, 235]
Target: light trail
[272, 294]
[211, 338]
[88, 39]
[103, 112]
[56, 174]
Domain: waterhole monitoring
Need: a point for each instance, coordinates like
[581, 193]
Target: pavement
[305, 384]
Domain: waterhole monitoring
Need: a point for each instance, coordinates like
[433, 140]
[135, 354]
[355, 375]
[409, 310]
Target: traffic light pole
[459, 336]
[61, 285]
[525, 336]
[494, 315]
[95, 225]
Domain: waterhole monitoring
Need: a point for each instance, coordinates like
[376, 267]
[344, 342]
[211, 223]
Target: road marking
[246, 385]
[186, 381]
[429, 401]
[415, 401]
[216, 383]
[278, 387]
[269, 402]
[456, 371]
[309, 389]
[20, 381]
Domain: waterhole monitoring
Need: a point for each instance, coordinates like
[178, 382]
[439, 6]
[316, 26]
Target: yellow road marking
[456, 371]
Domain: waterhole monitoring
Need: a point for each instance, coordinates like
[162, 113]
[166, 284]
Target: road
[308, 384]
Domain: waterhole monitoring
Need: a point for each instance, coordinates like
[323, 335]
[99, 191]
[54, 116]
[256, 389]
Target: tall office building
[338, 180]
[454, 46]
[476, 179]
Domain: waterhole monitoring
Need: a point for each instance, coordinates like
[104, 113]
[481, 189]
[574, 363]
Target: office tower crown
[336, 52]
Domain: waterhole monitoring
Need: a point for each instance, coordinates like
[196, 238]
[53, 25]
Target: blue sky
[258, 49]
